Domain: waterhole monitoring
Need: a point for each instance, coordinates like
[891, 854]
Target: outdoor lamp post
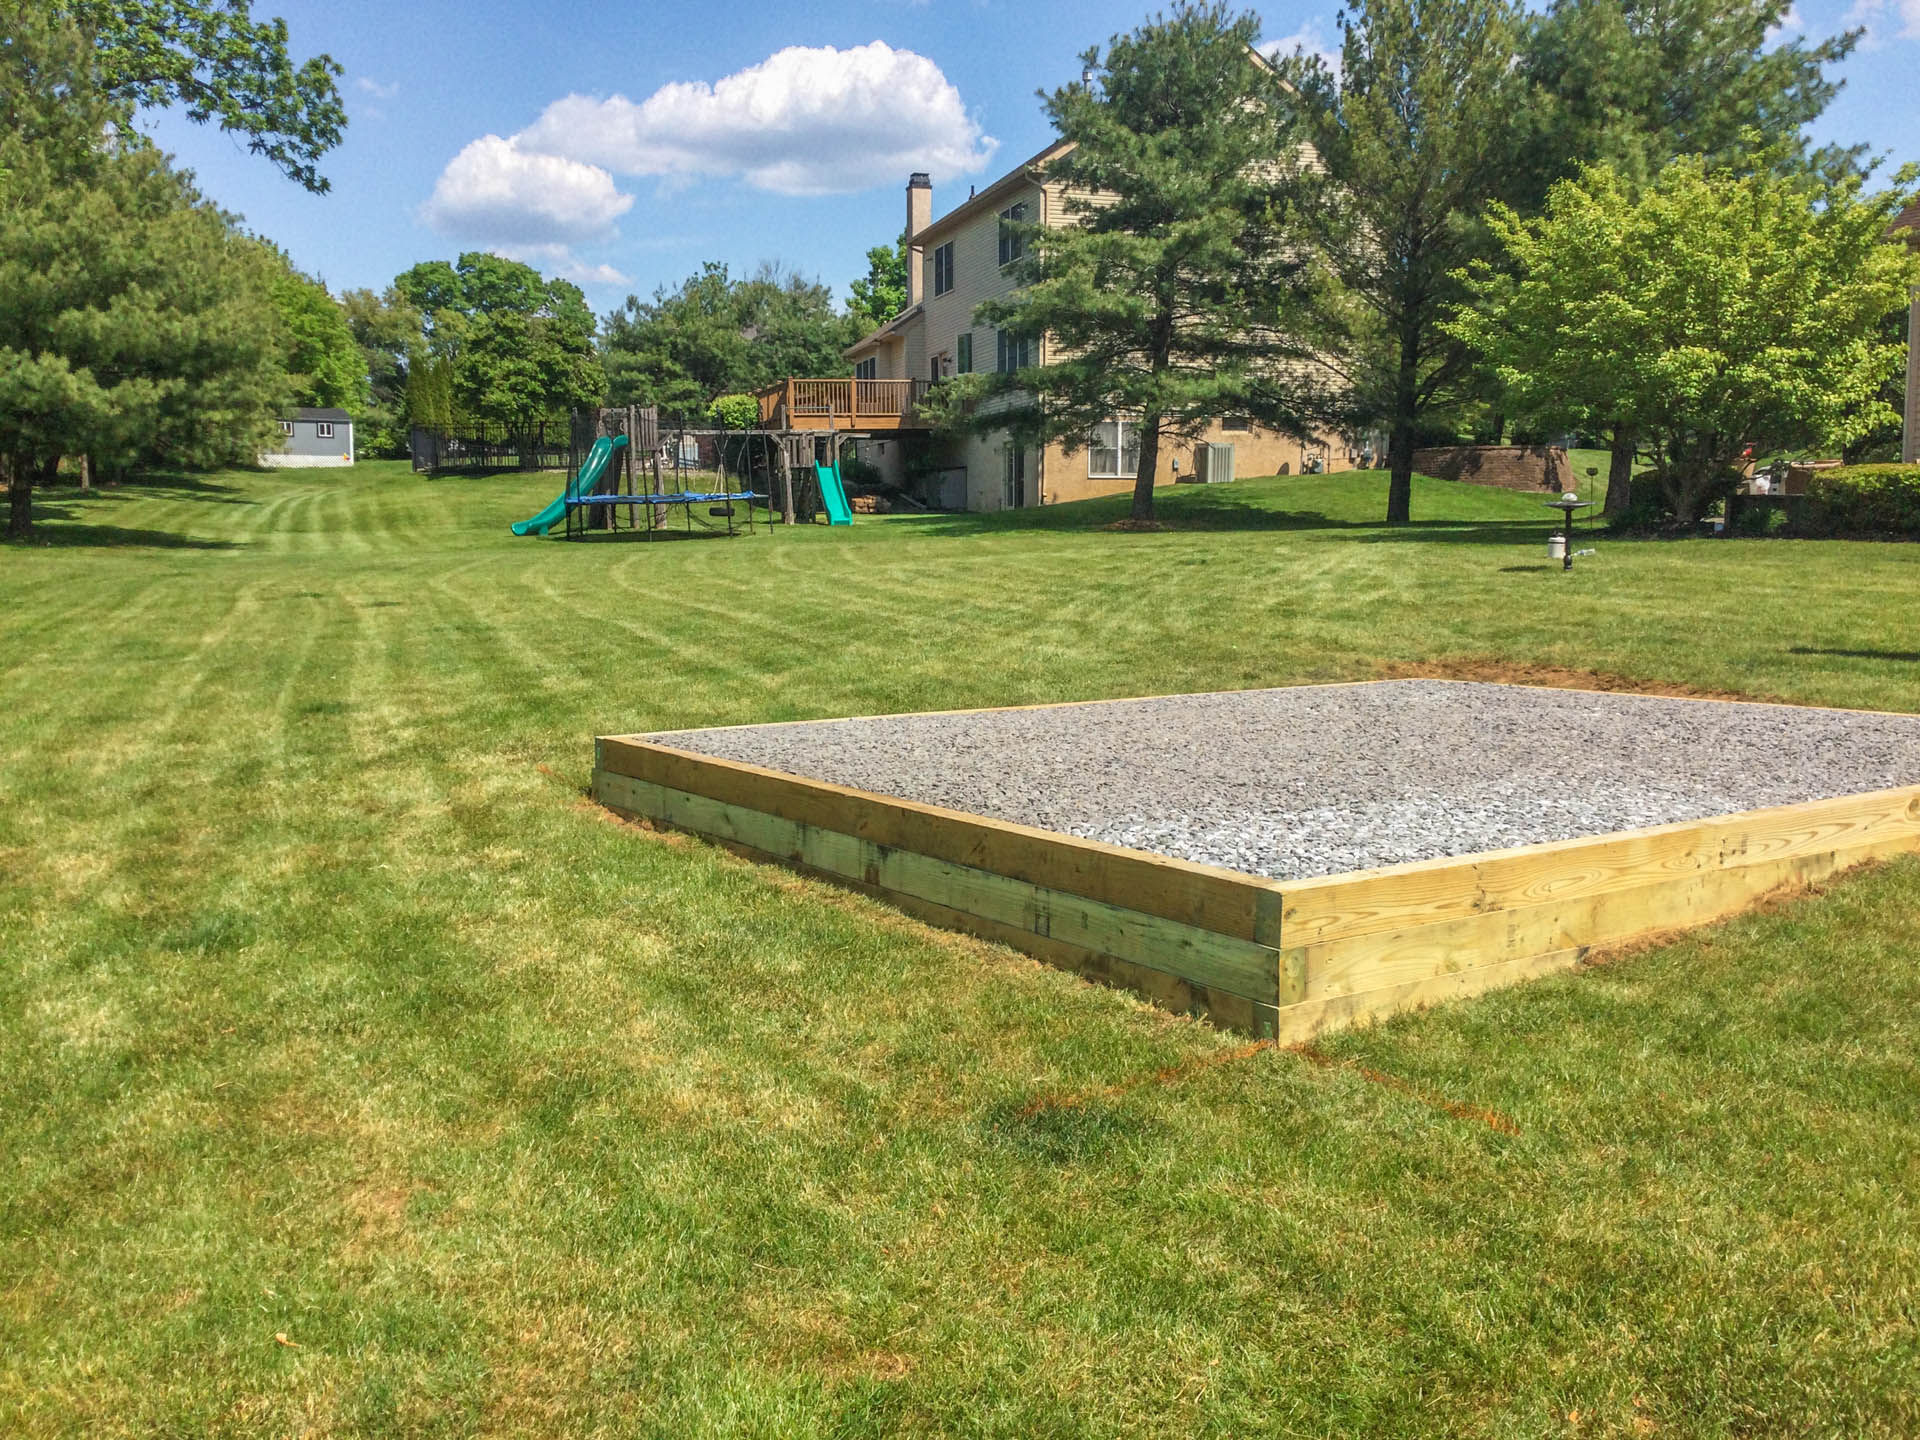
[1566, 505]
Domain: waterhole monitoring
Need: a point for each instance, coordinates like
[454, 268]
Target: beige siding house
[960, 261]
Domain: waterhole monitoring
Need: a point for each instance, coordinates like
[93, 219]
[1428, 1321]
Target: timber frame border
[1284, 960]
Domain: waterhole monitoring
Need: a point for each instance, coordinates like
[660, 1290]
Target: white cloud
[802, 122]
[1309, 38]
[561, 261]
[375, 88]
[805, 121]
[1886, 19]
[496, 192]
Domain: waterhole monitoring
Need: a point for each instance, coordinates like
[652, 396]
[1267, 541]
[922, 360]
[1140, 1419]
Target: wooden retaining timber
[1281, 959]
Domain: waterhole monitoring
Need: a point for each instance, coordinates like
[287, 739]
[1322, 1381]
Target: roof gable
[1025, 173]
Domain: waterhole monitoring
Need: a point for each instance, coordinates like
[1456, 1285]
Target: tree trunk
[1149, 463]
[20, 496]
[1683, 491]
[1620, 472]
[1406, 415]
[1400, 472]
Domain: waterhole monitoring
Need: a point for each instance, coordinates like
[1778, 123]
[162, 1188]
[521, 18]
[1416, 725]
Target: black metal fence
[548, 445]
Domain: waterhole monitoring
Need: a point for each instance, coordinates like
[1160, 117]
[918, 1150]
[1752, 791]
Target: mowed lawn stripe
[332, 1010]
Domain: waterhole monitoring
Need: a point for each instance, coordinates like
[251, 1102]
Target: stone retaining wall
[1508, 467]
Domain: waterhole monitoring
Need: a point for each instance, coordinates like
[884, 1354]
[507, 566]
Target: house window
[1013, 244]
[286, 427]
[323, 428]
[1235, 422]
[943, 269]
[1114, 451]
[867, 369]
[963, 353]
[1012, 352]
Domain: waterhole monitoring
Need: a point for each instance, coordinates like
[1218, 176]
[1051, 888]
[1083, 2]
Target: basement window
[1114, 451]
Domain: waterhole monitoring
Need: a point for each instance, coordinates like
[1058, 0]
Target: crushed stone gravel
[1317, 780]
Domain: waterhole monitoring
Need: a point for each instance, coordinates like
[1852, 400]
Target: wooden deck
[1285, 960]
[796, 404]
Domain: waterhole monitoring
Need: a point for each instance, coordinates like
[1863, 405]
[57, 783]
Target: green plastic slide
[603, 451]
[838, 512]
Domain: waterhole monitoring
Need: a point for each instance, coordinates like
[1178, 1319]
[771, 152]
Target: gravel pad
[1316, 780]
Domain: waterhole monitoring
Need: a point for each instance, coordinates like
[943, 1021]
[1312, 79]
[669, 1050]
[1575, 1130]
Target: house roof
[1023, 173]
[893, 327]
[989, 198]
[1908, 220]
[307, 412]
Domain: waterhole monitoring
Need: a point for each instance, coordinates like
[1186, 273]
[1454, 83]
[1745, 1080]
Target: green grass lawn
[1590, 469]
[332, 1014]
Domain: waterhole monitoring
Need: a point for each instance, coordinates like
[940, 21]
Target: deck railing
[853, 404]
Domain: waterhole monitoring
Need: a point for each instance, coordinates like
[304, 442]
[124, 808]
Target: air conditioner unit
[1213, 463]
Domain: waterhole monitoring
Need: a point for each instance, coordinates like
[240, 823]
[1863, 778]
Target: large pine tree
[136, 322]
[1170, 297]
[1417, 131]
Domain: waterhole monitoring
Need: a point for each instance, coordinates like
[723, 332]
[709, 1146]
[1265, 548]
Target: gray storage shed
[313, 437]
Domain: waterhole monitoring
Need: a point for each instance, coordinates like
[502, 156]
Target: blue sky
[623, 145]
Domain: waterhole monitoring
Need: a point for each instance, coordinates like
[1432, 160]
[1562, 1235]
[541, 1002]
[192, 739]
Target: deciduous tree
[1632, 84]
[387, 329]
[497, 343]
[880, 294]
[324, 360]
[716, 335]
[223, 67]
[1714, 312]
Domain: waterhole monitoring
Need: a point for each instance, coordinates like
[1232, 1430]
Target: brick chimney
[919, 216]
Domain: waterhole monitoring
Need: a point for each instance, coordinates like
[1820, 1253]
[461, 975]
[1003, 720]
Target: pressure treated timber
[1223, 900]
[1335, 906]
[1286, 959]
[1075, 923]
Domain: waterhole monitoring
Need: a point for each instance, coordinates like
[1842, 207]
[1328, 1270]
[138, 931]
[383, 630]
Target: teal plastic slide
[603, 451]
[838, 512]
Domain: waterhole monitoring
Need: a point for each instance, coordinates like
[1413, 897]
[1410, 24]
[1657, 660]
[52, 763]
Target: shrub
[1861, 500]
[1648, 509]
[736, 412]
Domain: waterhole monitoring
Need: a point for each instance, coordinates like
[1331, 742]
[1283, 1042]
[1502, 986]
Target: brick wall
[1509, 467]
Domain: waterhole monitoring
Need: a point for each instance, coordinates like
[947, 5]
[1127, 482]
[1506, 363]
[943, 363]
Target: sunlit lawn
[361, 1078]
